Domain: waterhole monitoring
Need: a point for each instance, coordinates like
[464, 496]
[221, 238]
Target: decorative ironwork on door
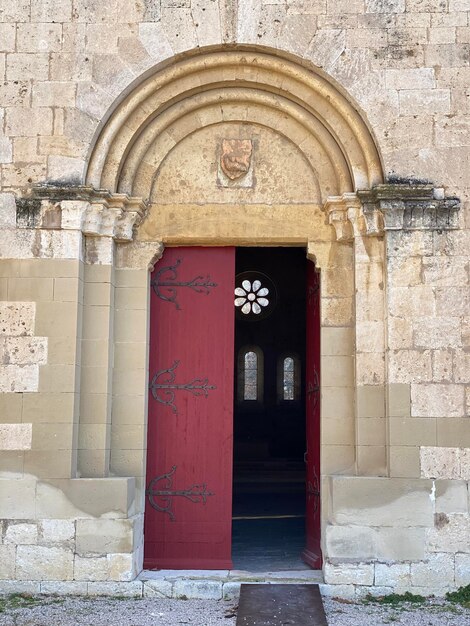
[164, 493]
[166, 283]
[314, 388]
[165, 380]
[313, 491]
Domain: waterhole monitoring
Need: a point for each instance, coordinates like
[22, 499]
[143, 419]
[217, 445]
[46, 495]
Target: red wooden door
[188, 513]
[312, 553]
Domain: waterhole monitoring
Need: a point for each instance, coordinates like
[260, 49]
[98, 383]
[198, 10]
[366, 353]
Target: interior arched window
[250, 388]
[250, 373]
[289, 378]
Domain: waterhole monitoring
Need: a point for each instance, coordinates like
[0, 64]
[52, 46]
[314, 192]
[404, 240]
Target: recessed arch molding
[252, 86]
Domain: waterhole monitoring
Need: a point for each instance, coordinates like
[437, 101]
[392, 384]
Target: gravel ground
[432, 613]
[116, 612]
[161, 612]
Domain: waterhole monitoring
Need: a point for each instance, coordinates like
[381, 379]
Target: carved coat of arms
[235, 158]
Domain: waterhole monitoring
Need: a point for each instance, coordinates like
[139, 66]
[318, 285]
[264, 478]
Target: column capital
[95, 212]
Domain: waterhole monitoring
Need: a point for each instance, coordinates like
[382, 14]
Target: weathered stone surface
[462, 570]
[202, 589]
[465, 461]
[451, 534]
[19, 378]
[15, 436]
[43, 563]
[129, 590]
[437, 332]
[121, 567]
[400, 544]
[376, 591]
[7, 562]
[85, 498]
[230, 590]
[17, 498]
[381, 501]
[345, 574]
[69, 588]
[452, 495]
[104, 536]
[90, 568]
[17, 533]
[462, 367]
[25, 350]
[19, 586]
[158, 589]
[7, 210]
[436, 571]
[343, 591]
[442, 365]
[350, 542]
[419, 78]
[17, 318]
[56, 530]
[407, 366]
[396, 575]
[445, 271]
[440, 462]
[437, 400]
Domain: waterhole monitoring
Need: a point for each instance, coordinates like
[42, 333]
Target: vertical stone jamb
[333, 260]
[134, 263]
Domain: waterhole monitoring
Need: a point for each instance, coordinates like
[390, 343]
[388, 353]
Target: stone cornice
[412, 206]
[95, 212]
[392, 206]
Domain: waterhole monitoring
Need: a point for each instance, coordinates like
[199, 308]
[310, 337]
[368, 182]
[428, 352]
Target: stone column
[353, 224]
[97, 344]
[105, 223]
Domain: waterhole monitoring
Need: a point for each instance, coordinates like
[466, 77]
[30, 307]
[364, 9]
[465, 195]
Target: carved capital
[346, 214]
[92, 220]
[124, 230]
[73, 213]
[95, 212]
[336, 211]
[373, 218]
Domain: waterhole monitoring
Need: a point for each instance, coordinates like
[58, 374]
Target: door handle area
[305, 457]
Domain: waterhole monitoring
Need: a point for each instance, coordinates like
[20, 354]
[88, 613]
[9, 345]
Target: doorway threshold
[217, 584]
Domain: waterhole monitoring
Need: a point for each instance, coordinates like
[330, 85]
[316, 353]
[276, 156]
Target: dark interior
[269, 413]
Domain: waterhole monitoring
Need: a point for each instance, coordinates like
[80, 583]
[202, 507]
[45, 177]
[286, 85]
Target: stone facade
[359, 118]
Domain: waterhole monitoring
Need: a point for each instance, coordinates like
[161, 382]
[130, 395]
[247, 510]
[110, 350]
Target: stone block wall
[389, 535]
[428, 302]
[69, 530]
[56, 524]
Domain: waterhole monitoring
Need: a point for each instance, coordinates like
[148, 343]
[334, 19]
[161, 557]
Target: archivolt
[245, 85]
